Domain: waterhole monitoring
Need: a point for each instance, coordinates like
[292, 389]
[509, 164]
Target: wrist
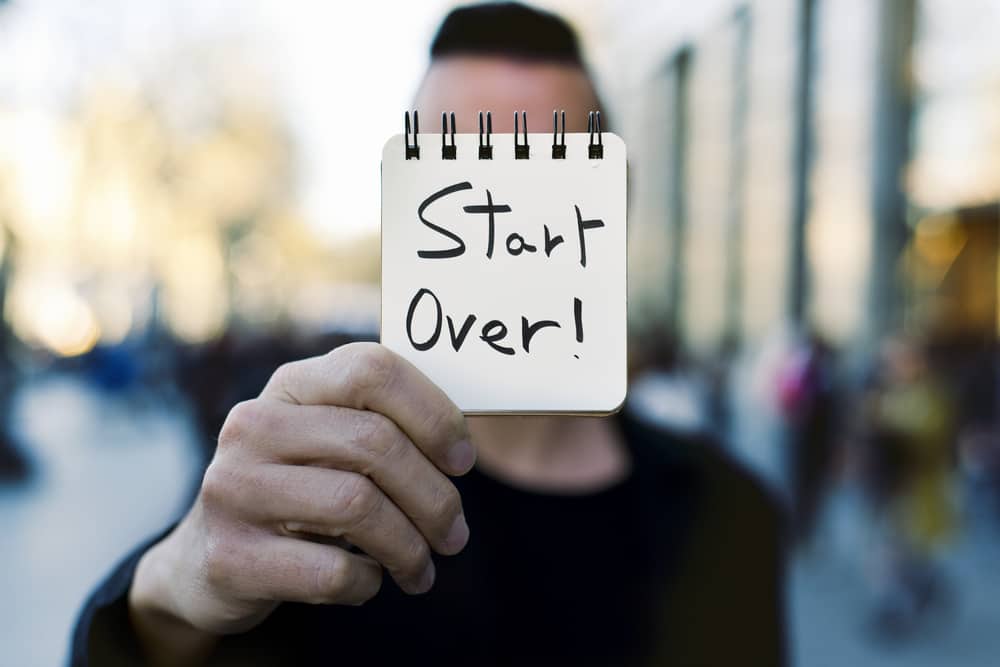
[155, 610]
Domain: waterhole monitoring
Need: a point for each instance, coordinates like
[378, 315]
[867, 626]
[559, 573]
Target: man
[506, 540]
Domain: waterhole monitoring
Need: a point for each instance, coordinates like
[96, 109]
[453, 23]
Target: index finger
[369, 376]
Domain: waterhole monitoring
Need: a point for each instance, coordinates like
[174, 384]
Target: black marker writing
[429, 343]
[499, 332]
[528, 330]
[551, 241]
[449, 252]
[581, 226]
[458, 339]
[493, 332]
[516, 243]
[522, 245]
[578, 318]
[490, 209]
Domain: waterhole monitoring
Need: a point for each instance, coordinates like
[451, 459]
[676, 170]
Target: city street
[110, 473]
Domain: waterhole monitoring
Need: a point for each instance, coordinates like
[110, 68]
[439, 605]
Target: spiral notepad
[503, 264]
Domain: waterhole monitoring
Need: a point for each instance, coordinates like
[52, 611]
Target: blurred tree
[160, 186]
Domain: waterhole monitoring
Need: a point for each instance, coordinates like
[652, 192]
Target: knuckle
[370, 429]
[331, 580]
[375, 438]
[445, 425]
[358, 499]
[285, 377]
[369, 367]
[283, 373]
[243, 419]
[395, 445]
[220, 563]
[217, 484]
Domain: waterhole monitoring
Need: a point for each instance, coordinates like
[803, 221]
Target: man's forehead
[468, 84]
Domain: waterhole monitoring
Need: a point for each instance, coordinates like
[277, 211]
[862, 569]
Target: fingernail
[458, 535]
[461, 457]
[426, 579]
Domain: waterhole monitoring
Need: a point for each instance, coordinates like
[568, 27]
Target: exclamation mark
[578, 317]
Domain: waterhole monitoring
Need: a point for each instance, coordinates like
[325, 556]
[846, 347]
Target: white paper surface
[557, 373]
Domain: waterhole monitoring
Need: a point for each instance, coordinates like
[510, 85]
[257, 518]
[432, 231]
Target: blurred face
[469, 84]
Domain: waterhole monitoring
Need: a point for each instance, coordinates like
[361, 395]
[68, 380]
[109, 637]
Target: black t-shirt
[680, 563]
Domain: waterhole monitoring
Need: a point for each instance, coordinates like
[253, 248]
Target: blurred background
[189, 196]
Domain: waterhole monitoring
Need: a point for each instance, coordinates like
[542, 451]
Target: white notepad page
[532, 281]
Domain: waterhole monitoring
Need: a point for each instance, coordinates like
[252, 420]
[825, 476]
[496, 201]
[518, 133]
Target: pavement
[109, 473]
[831, 599]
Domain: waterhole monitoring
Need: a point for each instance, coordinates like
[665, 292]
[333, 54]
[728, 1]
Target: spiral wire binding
[485, 150]
[558, 147]
[412, 151]
[448, 152]
[521, 150]
[595, 151]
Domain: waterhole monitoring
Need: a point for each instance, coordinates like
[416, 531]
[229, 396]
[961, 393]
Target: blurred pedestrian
[911, 443]
[807, 400]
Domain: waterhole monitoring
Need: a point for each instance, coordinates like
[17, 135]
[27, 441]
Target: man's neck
[549, 453]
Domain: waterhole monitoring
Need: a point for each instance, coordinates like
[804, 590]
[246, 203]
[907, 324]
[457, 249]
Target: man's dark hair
[507, 29]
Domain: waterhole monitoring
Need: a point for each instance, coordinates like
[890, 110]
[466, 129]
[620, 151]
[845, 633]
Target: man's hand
[346, 450]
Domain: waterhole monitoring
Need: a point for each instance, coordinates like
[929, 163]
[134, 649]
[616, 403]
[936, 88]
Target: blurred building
[826, 164]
